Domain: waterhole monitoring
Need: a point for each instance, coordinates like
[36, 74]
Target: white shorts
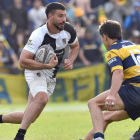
[38, 81]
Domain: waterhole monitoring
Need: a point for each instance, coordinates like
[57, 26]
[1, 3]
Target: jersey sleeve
[71, 30]
[34, 42]
[113, 59]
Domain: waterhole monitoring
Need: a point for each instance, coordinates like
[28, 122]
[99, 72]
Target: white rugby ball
[44, 54]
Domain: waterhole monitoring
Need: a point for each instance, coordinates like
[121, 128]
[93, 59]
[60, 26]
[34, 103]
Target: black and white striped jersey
[58, 42]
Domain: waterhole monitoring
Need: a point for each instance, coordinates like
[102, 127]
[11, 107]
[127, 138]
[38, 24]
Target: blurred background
[91, 74]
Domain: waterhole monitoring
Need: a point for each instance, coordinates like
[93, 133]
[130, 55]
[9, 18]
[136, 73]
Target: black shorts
[130, 96]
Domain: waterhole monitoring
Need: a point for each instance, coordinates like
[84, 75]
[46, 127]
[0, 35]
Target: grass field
[64, 121]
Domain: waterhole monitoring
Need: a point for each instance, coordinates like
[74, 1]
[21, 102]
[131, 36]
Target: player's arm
[117, 78]
[116, 66]
[74, 49]
[26, 61]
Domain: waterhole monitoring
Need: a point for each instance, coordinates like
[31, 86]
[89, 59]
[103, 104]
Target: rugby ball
[44, 54]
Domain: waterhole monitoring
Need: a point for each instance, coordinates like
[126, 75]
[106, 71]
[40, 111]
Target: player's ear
[105, 37]
[50, 15]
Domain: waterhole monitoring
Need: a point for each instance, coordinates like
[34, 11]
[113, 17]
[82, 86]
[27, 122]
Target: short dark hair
[52, 7]
[111, 28]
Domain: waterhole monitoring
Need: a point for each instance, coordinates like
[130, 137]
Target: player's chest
[58, 43]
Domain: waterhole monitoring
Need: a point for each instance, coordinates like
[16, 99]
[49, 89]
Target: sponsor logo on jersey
[64, 40]
[112, 60]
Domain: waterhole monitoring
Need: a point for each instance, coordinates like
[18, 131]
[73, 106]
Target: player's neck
[113, 41]
[110, 42]
[52, 29]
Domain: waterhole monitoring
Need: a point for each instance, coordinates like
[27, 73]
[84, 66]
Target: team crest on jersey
[109, 56]
[64, 40]
[29, 42]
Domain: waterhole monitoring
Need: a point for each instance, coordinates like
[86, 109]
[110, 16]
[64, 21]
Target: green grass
[64, 121]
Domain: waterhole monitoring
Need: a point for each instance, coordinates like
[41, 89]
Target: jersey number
[137, 58]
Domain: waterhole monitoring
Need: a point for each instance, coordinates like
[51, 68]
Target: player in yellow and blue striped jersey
[122, 100]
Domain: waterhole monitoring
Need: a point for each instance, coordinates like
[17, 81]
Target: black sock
[1, 119]
[21, 133]
[96, 135]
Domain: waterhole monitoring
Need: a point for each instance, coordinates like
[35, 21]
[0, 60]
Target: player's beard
[57, 27]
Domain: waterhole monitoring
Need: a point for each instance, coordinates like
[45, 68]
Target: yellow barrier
[13, 89]
[80, 84]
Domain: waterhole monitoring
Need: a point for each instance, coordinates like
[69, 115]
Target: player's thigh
[118, 115]
[100, 101]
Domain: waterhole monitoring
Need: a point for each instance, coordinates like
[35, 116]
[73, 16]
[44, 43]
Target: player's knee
[108, 117]
[91, 103]
[42, 101]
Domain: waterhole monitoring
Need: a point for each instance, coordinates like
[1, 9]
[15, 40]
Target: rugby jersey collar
[117, 41]
[56, 36]
[114, 43]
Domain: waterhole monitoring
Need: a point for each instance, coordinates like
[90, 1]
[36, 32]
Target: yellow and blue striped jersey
[125, 55]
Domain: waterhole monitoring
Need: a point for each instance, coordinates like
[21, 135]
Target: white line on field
[50, 109]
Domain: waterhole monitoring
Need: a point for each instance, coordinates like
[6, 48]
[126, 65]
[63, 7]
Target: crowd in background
[18, 18]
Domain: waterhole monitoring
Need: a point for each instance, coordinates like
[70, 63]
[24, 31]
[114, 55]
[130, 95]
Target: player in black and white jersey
[57, 33]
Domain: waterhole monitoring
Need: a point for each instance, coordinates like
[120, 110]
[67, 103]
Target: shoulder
[72, 33]
[69, 28]
[39, 32]
[120, 44]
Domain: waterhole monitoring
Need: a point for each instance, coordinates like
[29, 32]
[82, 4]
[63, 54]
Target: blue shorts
[130, 96]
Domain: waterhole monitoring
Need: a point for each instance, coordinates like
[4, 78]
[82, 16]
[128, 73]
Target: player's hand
[53, 61]
[110, 101]
[68, 65]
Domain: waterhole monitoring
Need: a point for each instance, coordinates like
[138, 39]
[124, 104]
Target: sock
[21, 133]
[98, 134]
[1, 119]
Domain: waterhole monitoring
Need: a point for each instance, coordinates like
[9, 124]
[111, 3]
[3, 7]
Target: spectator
[135, 37]
[85, 5]
[70, 11]
[8, 29]
[5, 5]
[132, 22]
[79, 29]
[18, 15]
[8, 58]
[90, 51]
[96, 3]
[49, 1]
[37, 14]
[28, 4]
[114, 11]
[80, 34]
[0, 17]
[20, 42]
